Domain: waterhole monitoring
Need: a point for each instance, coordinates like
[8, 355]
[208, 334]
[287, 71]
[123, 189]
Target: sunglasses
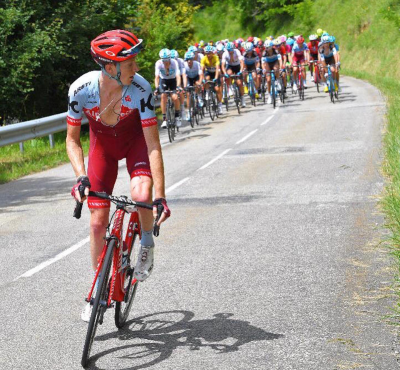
[134, 49]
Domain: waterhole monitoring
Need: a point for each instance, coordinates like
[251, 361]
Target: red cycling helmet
[300, 39]
[115, 46]
[250, 39]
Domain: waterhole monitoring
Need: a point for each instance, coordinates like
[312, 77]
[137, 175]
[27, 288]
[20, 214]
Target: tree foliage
[45, 45]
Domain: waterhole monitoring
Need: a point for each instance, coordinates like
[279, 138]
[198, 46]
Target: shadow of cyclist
[221, 333]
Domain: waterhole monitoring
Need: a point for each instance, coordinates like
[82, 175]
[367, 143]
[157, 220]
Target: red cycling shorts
[108, 145]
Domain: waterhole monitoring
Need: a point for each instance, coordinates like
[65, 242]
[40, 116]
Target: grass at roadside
[37, 156]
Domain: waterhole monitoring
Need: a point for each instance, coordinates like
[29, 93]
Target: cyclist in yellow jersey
[211, 70]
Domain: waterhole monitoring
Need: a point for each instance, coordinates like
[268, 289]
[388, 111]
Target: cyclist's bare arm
[157, 82]
[74, 150]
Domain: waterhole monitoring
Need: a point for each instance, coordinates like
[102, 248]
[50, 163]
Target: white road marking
[214, 160]
[247, 136]
[59, 256]
[179, 183]
[269, 119]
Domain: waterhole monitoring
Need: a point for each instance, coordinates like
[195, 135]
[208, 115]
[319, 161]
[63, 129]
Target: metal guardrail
[20, 132]
[23, 131]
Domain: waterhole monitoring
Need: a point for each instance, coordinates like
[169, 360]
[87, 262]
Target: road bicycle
[331, 84]
[236, 91]
[315, 67]
[210, 98]
[225, 94]
[194, 111]
[300, 81]
[170, 115]
[116, 284]
[263, 87]
[251, 88]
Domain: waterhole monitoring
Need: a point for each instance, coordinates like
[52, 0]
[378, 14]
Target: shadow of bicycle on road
[165, 332]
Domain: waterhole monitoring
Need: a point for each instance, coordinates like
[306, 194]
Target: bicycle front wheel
[122, 308]
[100, 303]
[192, 110]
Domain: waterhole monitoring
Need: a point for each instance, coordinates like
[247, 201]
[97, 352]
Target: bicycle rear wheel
[100, 303]
[122, 308]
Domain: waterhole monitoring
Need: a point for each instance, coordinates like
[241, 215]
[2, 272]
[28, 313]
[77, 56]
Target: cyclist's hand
[204, 81]
[214, 80]
[240, 73]
[338, 64]
[81, 189]
[161, 210]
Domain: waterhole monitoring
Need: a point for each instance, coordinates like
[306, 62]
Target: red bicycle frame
[117, 291]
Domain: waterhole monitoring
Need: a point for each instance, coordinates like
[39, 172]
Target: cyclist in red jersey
[313, 47]
[119, 105]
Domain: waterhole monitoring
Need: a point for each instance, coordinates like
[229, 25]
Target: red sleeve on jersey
[149, 122]
[74, 122]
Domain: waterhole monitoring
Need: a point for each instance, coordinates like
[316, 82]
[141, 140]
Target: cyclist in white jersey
[168, 77]
[233, 63]
[194, 74]
[175, 55]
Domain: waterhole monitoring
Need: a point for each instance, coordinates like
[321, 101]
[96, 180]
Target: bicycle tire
[263, 89]
[191, 110]
[211, 109]
[121, 310]
[170, 113]
[225, 96]
[98, 310]
[237, 98]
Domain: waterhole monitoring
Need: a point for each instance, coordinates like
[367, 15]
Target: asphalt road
[271, 259]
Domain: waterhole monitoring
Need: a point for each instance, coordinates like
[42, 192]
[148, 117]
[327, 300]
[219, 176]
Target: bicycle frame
[117, 292]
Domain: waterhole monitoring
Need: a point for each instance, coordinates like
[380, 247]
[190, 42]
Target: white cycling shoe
[269, 101]
[294, 87]
[178, 122]
[164, 124]
[144, 265]
[243, 102]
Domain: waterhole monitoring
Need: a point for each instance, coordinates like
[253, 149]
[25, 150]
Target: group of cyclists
[217, 62]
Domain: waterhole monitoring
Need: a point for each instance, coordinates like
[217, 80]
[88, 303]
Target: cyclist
[271, 60]
[118, 103]
[333, 43]
[211, 71]
[329, 57]
[168, 77]
[194, 74]
[233, 63]
[299, 55]
[197, 55]
[313, 47]
[252, 64]
[181, 63]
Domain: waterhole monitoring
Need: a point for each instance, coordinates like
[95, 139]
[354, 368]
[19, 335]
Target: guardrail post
[21, 147]
[51, 138]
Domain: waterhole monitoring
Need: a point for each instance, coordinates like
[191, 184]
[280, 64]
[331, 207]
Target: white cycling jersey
[234, 60]
[194, 71]
[169, 74]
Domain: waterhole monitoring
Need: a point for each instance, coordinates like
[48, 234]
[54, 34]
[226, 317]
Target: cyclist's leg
[141, 190]
[102, 172]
